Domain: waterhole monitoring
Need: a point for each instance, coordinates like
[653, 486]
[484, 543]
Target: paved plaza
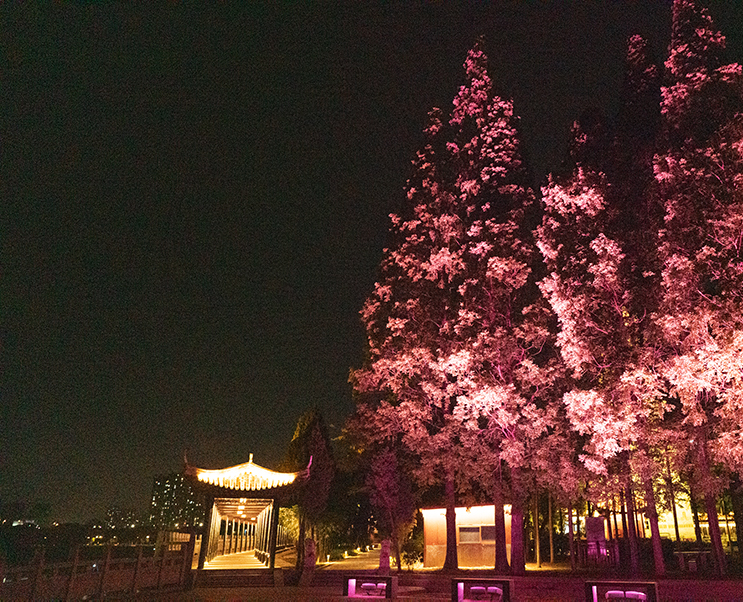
[548, 584]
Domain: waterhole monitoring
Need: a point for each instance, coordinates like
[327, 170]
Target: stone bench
[598, 591]
[475, 590]
[369, 586]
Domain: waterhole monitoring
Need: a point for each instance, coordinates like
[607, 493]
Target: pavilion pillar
[267, 530]
[259, 534]
[214, 542]
[206, 534]
[265, 536]
[274, 529]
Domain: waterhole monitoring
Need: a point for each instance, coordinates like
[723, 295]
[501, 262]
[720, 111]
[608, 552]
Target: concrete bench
[369, 586]
[472, 590]
[597, 591]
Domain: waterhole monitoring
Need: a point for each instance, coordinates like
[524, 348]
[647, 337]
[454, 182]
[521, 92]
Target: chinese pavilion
[242, 508]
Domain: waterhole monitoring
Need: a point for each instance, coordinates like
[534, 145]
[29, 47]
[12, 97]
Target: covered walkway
[239, 560]
[242, 528]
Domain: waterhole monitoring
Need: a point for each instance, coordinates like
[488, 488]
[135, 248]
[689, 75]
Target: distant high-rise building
[121, 518]
[175, 505]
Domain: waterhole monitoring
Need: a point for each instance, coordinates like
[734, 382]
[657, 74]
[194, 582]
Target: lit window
[469, 534]
[488, 532]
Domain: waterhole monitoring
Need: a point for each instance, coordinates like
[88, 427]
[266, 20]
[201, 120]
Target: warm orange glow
[244, 477]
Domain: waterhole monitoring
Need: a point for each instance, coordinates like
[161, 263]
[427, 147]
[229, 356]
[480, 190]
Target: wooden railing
[85, 579]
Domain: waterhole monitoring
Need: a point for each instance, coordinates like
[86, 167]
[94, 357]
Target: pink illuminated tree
[597, 238]
[503, 369]
[699, 181]
[454, 324]
[391, 495]
[405, 385]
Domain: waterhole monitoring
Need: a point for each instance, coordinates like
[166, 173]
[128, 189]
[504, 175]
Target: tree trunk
[614, 512]
[652, 511]
[695, 513]
[398, 556]
[704, 467]
[672, 498]
[518, 560]
[714, 534]
[450, 561]
[394, 536]
[300, 542]
[501, 555]
[551, 529]
[625, 522]
[736, 495]
[537, 552]
[634, 552]
[571, 543]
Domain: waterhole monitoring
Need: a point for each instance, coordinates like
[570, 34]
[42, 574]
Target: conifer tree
[409, 318]
[597, 238]
[449, 336]
[391, 495]
[699, 187]
[310, 449]
[501, 326]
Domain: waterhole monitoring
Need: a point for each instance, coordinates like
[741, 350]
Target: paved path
[362, 562]
[247, 560]
[543, 588]
[241, 560]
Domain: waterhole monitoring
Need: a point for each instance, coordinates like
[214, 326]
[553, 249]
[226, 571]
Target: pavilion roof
[243, 477]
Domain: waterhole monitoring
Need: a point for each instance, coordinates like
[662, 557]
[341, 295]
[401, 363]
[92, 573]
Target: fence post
[73, 574]
[163, 551]
[38, 574]
[137, 569]
[102, 582]
[188, 548]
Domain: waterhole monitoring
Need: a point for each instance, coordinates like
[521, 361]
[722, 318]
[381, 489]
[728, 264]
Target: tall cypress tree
[409, 318]
[449, 340]
[310, 449]
[698, 181]
[501, 325]
[597, 237]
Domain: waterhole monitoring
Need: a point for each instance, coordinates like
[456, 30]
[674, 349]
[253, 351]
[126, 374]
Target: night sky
[195, 200]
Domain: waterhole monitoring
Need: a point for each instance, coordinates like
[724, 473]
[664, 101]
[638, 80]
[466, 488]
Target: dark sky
[194, 202]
